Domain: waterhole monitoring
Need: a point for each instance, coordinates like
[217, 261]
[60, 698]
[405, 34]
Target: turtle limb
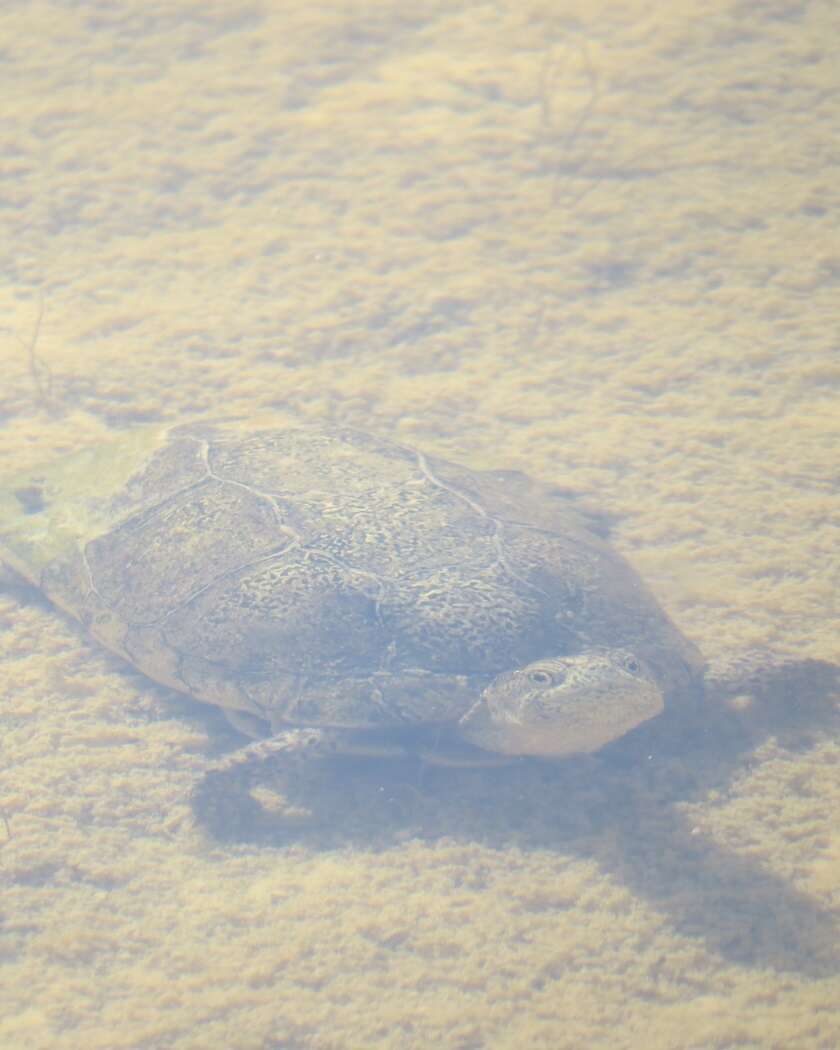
[292, 747]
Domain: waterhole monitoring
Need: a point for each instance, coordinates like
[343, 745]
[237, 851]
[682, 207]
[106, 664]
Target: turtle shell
[320, 575]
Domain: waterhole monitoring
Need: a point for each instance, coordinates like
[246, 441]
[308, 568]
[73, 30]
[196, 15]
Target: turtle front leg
[292, 747]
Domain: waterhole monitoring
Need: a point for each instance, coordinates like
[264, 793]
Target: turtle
[332, 590]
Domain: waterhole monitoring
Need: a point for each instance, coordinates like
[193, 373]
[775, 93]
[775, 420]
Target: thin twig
[40, 371]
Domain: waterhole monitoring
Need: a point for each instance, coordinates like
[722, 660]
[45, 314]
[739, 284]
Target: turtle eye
[540, 677]
[632, 664]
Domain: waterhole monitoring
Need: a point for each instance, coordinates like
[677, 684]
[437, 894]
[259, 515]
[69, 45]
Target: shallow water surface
[589, 242]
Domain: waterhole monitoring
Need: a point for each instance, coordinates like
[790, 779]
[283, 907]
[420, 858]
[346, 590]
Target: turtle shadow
[739, 908]
[627, 808]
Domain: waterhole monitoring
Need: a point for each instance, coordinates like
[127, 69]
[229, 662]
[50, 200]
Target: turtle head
[564, 705]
